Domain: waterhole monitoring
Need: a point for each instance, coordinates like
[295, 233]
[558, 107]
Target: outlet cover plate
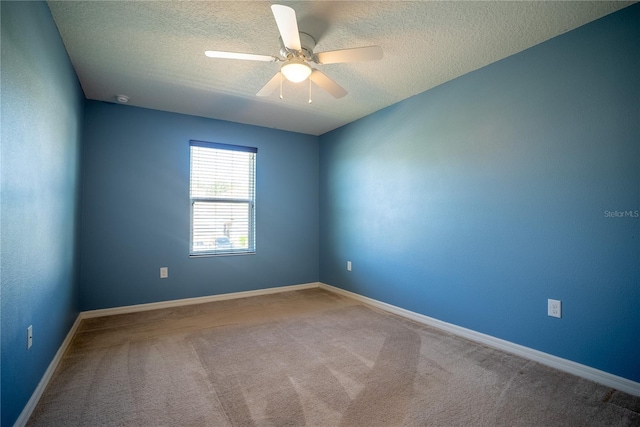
[29, 336]
[554, 308]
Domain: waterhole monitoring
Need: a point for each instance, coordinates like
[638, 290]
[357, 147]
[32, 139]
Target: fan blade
[368, 53]
[235, 55]
[271, 85]
[287, 25]
[327, 84]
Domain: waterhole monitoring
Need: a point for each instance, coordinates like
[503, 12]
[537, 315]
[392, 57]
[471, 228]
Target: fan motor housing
[306, 42]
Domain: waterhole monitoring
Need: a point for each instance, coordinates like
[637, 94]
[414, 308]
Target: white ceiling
[153, 52]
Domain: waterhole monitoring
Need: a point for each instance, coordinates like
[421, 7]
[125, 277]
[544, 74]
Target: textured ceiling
[153, 52]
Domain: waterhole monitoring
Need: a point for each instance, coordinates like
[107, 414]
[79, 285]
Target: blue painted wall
[41, 127]
[477, 200]
[472, 203]
[136, 210]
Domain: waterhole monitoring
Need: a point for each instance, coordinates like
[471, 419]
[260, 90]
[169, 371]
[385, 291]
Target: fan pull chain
[281, 78]
[310, 101]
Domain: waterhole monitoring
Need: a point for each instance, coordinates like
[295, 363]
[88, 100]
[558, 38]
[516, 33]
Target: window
[222, 192]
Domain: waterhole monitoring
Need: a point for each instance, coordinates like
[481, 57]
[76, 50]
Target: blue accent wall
[41, 128]
[476, 201]
[136, 209]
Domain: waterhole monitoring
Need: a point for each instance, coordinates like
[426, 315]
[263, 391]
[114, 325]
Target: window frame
[251, 202]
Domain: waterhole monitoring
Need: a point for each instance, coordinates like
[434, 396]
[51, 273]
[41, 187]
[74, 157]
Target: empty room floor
[306, 358]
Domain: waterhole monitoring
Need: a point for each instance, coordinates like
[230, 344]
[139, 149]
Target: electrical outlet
[29, 336]
[348, 265]
[554, 308]
[164, 272]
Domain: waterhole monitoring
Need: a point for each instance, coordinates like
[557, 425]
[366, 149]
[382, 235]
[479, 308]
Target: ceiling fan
[296, 54]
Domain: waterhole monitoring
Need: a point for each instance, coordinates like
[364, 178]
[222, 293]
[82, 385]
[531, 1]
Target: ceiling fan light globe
[296, 71]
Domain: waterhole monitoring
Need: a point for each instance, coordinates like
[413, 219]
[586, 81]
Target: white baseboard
[44, 381]
[556, 362]
[189, 301]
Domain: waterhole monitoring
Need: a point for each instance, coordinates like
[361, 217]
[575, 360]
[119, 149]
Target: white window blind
[222, 192]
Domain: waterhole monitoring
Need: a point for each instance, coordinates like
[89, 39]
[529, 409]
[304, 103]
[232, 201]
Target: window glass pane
[222, 191]
[221, 173]
[221, 226]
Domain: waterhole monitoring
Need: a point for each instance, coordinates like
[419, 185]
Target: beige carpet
[306, 358]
